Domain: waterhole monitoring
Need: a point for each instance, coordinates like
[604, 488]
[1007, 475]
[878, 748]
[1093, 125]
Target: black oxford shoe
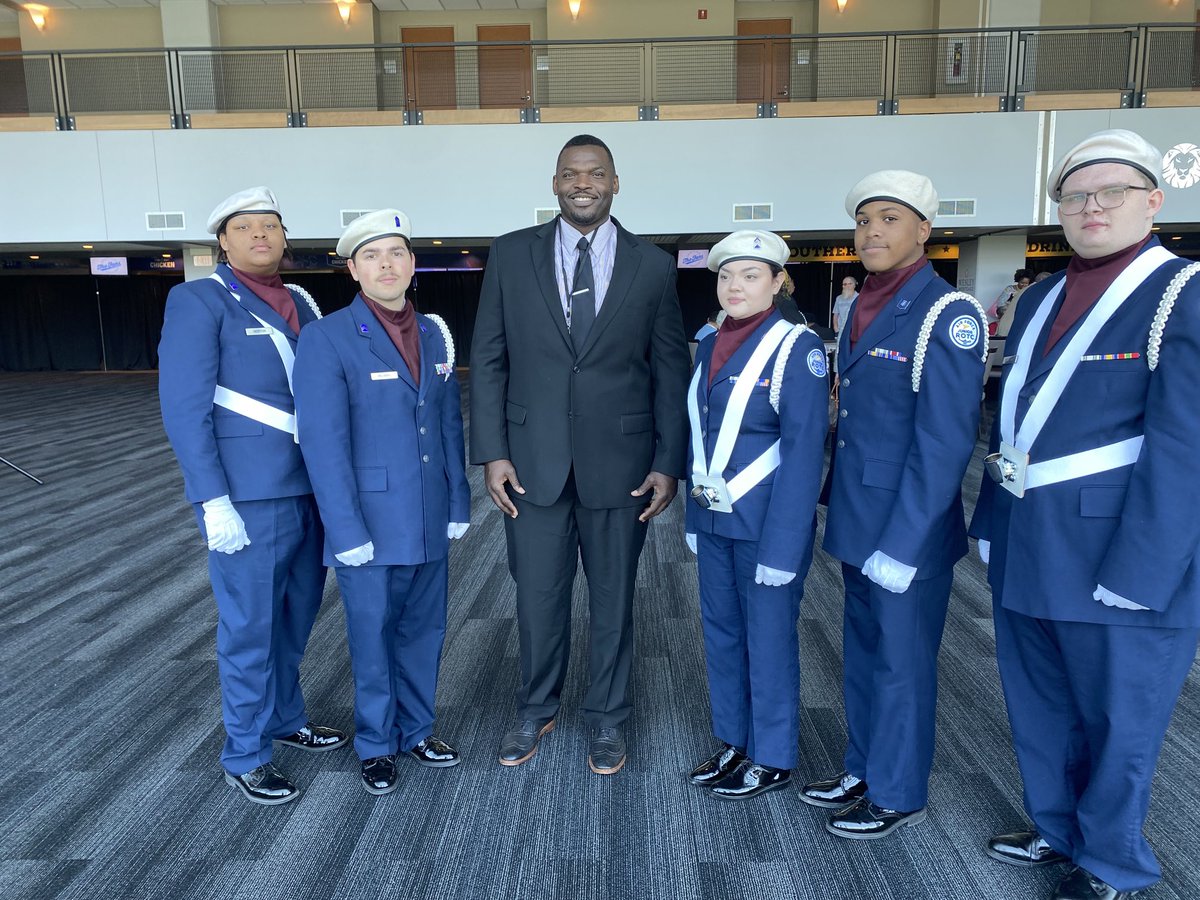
[716, 766]
[379, 774]
[1080, 884]
[520, 743]
[315, 738]
[750, 779]
[834, 793]
[864, 821]
[435, 753]
[266, 785]
[1023, 848]
[606, 750]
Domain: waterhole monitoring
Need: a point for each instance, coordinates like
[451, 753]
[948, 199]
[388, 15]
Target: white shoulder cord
[308, 298]
[785, 348]
[927, 330]
[441, 323]
[1165, 306]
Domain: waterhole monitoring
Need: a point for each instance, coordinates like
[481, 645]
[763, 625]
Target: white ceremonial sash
[255, 409]
[709, 475]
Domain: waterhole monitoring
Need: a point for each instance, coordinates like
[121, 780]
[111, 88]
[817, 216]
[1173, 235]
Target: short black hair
[588, 140]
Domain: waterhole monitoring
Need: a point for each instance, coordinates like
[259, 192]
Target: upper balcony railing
[788, 75]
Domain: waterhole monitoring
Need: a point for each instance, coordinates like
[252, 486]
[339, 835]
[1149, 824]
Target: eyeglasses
[1106, 198]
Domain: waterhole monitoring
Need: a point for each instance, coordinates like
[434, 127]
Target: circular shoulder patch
[964, 332]
[816, 362]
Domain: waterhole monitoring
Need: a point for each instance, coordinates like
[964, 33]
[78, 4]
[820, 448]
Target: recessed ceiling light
[947, 232]
[785, 236]
[437, 243]
[87, 246]
[1155, 228]
[35, 257]
[166, 256]
[1177, 237]
[464, 252]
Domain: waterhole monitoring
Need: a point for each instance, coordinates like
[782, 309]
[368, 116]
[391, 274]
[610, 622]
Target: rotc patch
[816, 362]
[964, 332]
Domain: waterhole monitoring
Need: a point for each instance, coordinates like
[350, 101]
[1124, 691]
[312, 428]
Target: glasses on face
[1106, 198]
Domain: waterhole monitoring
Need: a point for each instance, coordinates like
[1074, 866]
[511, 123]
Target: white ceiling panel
[423, 5]
[497, 4]
[461, 4]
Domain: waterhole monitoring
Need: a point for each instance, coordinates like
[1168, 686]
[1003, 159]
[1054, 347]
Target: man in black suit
[579, 372]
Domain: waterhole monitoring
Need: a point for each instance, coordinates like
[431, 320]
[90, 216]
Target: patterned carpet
[109, 761]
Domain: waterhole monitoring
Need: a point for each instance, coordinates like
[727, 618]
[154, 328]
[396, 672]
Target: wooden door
[429, 72]
[504, 72]
[764, 72]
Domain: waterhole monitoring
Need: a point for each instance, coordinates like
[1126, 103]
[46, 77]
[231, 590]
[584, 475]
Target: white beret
[764, 245]
[252, 200]
[1114, 145]
[907, 188]
[372, 226]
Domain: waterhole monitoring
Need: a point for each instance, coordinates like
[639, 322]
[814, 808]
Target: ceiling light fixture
[344, 7]
[573, 6]
[841, 5]
[37, 13]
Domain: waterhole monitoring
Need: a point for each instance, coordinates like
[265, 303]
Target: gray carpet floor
[109, 704]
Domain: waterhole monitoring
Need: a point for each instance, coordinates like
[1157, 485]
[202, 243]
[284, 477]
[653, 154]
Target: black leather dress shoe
[435, 753]
[716, 766]
[266, 785]
[520, 743]
[1080, 884]
[606, 750]
[379, 774]
[750, 779]
[315, 738]
[834, 793]
[1023, 848]
[864, 821]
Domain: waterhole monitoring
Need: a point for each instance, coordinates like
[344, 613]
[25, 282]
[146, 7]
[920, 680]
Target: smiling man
[911, 365]
[1089, 522]
[377, 403]
[579, 370]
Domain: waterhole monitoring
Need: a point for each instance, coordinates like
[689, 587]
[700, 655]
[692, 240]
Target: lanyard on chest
[710, 489]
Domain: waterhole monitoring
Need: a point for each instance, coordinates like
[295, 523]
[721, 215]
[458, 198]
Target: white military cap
[908, 188]
[1114, 145]
[372, 226]
[764, 245]
[252, 200]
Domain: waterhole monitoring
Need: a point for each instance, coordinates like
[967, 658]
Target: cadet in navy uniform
[758, 404]
[1093, 529]
[381, 428]
[225, 373]
[911, 368]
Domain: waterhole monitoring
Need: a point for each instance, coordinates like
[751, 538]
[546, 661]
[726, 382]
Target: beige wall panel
[875, 15]
[1125, 12]
[463, 22]
[608, 19]
[803, 14]
[293, 24]
[1066, 12]
[93, 29]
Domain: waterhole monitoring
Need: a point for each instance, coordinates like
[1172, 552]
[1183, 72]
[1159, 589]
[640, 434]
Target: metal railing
[998, 67]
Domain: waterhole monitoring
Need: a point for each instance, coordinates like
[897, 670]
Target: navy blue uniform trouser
[1089, 707]
[890, 649]
[395, 625]
[268, 595]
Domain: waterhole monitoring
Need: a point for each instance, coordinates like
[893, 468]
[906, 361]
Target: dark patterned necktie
[583, 296]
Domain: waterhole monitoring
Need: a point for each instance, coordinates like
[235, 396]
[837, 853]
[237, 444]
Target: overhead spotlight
[465, 252]
[437, 243]
[573, 6]
[344, 7]
[34, 256]
[87, 246]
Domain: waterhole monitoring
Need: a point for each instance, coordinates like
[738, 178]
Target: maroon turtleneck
[270, 290]
[877, 292]
[1087, 280]
[401, 327]
[731, 335]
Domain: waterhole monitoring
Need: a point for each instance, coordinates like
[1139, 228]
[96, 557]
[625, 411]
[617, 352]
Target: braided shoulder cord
[1165, 306]
[931, 318]
[781, 358]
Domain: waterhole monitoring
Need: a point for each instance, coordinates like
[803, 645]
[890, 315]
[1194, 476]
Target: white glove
[888, 573]
[358, 556]
[772, 577]
[225, 529]
[455, 530]
[1108, 598]
[691, 542]
[985, 551]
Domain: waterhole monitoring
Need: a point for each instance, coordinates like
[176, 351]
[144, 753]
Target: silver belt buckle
[1008, 468]
[711, 493]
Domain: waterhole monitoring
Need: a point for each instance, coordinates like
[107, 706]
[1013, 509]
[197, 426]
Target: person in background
[841, 304]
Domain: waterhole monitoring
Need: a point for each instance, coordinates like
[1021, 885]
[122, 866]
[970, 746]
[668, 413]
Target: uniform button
[425, 458]
[845, 413]
[841, 444]
[422, 429]
[574, 368]
[703, 434]
[845, 382]
[705, 409]
[420, 403]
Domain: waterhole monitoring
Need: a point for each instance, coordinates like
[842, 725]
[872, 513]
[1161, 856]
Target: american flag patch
[893, 355]
[1098, 357]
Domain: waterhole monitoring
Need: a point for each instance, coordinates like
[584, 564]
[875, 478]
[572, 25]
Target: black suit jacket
[614, 413]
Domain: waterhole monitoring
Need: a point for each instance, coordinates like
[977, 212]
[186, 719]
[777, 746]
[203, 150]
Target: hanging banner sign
[110, 265]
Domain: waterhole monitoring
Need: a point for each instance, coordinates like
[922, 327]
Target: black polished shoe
[1080, 884]
[379, 774]
[435, 753]
[750, 779]
[606, 750]
[716, 766]
[266, 785]
[834, 793]
[315, 738]
[1023, 848]
[864, 821]
[520, 743]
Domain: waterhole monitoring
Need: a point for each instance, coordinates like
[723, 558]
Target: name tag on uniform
[252, 332]
[384, 376]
